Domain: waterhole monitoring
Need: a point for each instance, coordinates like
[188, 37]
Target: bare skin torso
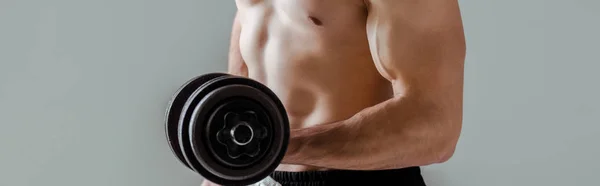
[314, 55]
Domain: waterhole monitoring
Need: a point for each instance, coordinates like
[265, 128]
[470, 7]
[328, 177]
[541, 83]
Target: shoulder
[407, 6]
[427, 14]
[246, 3]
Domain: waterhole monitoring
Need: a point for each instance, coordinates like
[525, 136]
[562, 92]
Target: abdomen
[321, 73]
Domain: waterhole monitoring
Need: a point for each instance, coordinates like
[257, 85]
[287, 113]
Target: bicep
[417, 44]
[236, 64]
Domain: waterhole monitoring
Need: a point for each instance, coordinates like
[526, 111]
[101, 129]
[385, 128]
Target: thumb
[268, 181]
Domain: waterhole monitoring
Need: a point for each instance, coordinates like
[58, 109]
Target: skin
[367, 84]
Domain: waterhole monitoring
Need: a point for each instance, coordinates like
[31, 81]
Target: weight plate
[231, 145]
[207, 123]
[175, 106]
[197, 130]
[184, 122]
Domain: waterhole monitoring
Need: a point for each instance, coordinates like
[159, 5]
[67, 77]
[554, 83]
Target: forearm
[393, 134]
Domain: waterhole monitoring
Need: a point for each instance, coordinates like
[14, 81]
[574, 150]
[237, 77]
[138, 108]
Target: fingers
[268, 181]
[208, 183]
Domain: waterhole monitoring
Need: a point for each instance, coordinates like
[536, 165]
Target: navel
[315, 21]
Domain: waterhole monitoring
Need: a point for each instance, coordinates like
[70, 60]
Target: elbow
[446, 153]
[447, 141]
[447, 149]
[440, 147]
[442, 152]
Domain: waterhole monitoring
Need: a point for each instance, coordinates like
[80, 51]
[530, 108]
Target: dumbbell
[231, 130]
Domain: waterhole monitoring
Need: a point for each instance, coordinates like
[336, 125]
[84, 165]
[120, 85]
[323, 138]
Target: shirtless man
[373, 88]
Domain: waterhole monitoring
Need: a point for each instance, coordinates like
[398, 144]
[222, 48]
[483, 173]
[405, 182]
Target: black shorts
[406, 177]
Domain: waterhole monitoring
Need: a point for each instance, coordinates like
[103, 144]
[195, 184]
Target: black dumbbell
[231, 130]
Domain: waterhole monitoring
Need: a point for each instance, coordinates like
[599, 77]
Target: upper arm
[236, 64]
[419, 46]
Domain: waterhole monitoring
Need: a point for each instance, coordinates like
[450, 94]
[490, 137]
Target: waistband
[406, 176]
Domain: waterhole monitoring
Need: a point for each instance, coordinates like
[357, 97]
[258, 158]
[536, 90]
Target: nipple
[315, 20]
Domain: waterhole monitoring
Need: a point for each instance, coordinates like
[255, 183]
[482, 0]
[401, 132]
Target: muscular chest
[297, 30]
[305, 12]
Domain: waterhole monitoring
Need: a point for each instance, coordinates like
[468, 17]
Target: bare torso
[314, 55]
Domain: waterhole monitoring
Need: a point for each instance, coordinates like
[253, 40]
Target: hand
[208, 183]
[268, 181]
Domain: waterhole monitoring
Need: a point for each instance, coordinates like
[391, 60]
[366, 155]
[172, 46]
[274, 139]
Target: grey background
[84, 84]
